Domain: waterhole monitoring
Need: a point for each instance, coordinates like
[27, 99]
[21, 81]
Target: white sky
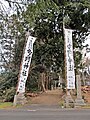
[88, 42]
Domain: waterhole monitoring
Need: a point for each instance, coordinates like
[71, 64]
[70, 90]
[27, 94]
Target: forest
[44, 20]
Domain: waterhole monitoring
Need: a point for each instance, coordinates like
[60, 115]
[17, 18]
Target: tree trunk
[46, 81]
[42, 79]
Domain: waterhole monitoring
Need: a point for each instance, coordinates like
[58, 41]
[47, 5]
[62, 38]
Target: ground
[86, 93]
[87, 97]
[50, 97]
[54, 97]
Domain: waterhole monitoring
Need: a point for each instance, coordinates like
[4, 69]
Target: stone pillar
[60, 82]
[55, 87]
[69, 102]
[19, 99]
[79, 100]
[51, 87]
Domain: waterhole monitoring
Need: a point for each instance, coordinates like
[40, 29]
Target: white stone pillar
[79, 100]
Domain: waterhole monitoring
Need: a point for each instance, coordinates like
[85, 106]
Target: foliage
[8, 83]
[32, 81]
[48, 27]
[9, 96]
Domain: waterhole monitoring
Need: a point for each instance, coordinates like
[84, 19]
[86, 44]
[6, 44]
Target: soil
[53, 97]
[87, 97]
[50, 97]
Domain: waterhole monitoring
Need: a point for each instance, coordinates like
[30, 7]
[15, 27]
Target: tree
[75, 18]
[47, 22]
[12, 42]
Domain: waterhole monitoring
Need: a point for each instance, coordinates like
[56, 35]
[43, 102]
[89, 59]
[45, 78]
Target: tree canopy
[47, 18]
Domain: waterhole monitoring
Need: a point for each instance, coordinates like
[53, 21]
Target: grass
[6, 105]
[86, 106]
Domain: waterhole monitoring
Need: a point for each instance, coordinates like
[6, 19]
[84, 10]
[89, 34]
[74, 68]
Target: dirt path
[52, 97]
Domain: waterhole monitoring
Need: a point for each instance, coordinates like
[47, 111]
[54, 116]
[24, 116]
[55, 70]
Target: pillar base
[79, 102]
[69, 102]
[19, 99]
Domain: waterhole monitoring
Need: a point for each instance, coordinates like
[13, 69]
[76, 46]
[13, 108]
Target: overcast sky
[88, 40]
